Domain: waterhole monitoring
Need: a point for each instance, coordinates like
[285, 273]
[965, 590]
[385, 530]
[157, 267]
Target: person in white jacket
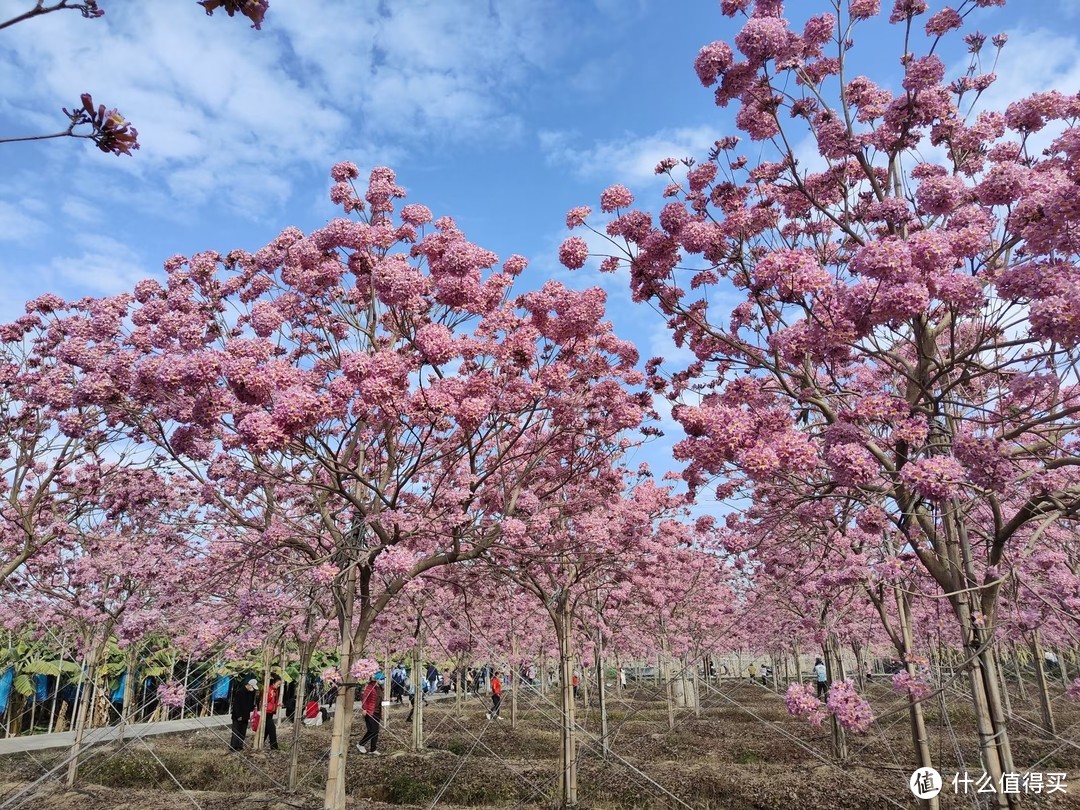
[822, 678]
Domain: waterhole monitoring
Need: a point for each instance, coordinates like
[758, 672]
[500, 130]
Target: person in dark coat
[242, 707]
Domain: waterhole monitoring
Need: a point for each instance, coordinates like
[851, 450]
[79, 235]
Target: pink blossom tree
[56, 442]
[106, 581]
[598, 533]
[381, 367]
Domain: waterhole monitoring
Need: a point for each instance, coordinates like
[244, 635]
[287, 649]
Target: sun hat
[252, 683]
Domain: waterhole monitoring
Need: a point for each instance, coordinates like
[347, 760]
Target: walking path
[65, 739]
[94, 736]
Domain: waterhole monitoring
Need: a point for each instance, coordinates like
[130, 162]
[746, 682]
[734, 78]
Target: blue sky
[500, 113]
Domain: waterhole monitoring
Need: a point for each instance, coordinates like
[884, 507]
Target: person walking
[432, 678]
[371, 703]
[496, 696]
[822, 678]
[397, 683]
[273, 702]
[243, 705]
[763, 672]
[412, 702]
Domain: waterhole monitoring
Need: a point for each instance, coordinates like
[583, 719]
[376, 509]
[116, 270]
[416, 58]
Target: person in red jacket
[496, 696]
[371, 703]
[273, 701]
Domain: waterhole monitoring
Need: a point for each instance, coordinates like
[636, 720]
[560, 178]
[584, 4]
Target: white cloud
[16, 224]
[223, 110]
[104, 266]
[80, 210]
[1033, 61]
[630, 159]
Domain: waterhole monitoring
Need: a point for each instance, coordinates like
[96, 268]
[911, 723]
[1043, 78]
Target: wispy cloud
[236, 114]
[102, 266]
[18, 223]
[632, 158]
[1033, 61]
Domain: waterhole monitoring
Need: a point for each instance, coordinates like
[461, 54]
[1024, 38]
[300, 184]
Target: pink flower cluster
[576, 217]
[849, 707]
[915, 685]
[615, 197]
[712, 61]
[362, 669]
[172, 694]
[794, 273]
[1073, 692]
[851, 464]
[864, 9]
[573, 253]
[937, 478]
[801, 701]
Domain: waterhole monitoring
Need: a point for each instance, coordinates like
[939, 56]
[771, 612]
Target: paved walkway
[94, 736]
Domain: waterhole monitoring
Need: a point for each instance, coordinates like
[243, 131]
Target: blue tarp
[118, 692]
[41, 688]
[221, 688]
[5, 688]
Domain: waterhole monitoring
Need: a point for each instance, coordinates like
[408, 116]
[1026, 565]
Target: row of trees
[352, 435]
[896, 394]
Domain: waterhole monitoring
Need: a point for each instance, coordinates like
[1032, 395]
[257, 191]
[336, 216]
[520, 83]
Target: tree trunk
[91, 716]
[1004, 687]
[515, 678]
[416, 739]
[85, 702]
[129, 692]
[681, 686]
[696, 683]
[990, 717]
[920, 740]
[306, 650]
[334, 796]
[990, 743]
[260, 732]
[601, 695]
[832, 671]
[1045, 707]
[998, 717]
[664, 666]
[1018, 667]
[460, 691]
[568, 747]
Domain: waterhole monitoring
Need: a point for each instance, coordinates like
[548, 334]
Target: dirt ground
[743, 752]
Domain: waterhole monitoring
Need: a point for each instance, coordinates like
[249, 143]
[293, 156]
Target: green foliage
[403, 788]
[132, 769]
[747, 757]
[458, 747]
[23, 684]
